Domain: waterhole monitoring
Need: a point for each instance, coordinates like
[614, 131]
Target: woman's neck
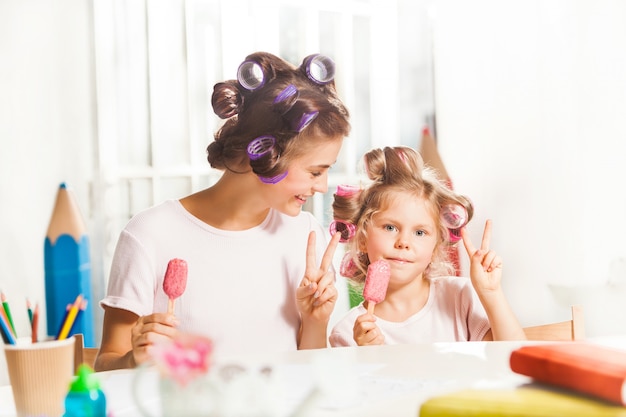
[233, 203]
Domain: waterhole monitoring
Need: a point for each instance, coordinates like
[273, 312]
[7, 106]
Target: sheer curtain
[157, 62]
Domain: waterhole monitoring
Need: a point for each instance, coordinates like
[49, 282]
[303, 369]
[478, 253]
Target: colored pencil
[81, 310]
[7, 310]
[70, 318]
[29, 309]
[67, 265]
[35, 324]
[7, 335]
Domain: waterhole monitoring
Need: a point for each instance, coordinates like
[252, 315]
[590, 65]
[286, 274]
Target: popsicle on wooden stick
[376, 281]
[175, 281]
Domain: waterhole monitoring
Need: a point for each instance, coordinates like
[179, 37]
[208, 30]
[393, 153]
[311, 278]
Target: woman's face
[307, 175]
[404, 234]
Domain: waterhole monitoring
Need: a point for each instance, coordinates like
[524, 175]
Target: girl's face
[405, 234]
[306, 176]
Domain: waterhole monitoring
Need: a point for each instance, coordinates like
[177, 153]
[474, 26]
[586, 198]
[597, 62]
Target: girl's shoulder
[450, 284]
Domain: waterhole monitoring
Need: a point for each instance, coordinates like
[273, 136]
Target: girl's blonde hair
[392, 170]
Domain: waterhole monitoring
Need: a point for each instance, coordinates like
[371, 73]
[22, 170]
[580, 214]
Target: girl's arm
[486, 275]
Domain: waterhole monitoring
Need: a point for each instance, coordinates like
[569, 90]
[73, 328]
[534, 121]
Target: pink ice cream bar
[376, 281]
[175, 280]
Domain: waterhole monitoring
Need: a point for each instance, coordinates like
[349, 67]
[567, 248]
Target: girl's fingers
[469, 247]
[486, 236]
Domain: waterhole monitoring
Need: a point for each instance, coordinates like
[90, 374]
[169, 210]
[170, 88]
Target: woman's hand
[151, 329]
[366, 332]
[127, 338]
[485, 264]
[316, 296]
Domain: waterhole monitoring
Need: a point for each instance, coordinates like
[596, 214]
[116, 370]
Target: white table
[391, 380]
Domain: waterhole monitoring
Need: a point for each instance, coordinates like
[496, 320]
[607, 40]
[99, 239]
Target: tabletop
[361, 381]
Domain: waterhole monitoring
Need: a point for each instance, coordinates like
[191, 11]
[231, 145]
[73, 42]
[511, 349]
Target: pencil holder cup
[40, 375]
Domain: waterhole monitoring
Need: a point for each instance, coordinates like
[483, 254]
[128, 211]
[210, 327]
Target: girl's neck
[403, 302]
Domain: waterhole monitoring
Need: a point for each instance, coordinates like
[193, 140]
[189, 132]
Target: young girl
[407, 217]
[256, 280]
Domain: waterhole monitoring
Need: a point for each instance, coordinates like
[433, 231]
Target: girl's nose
[402, 242]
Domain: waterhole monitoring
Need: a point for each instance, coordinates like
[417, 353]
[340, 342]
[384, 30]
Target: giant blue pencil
[67, 266]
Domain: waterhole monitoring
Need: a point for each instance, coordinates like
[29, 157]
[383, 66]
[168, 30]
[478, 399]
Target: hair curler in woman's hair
[273, 180]
[260, 147]
[286, 98]
[319, 68]
[250, 75]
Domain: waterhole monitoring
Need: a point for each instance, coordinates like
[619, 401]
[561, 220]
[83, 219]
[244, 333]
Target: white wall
[531, 98]
[46, 131]
[531, 105]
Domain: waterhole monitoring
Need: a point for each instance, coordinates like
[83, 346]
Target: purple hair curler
[273, 180]
[289, 93]
[260, 146]
[250, 75]
[347, 230]
[305, 120]
[319, 68]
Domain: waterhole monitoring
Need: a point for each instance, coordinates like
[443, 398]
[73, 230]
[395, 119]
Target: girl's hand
[366, 332]
[316, 296]
[151, 329]
[485, 264]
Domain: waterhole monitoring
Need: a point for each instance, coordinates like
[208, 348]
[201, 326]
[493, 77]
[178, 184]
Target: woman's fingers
[329, 253]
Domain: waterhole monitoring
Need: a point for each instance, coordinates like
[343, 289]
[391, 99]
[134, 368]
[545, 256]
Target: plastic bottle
[85, 398]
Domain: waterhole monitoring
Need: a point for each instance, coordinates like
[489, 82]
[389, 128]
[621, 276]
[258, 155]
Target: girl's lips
[399, 260]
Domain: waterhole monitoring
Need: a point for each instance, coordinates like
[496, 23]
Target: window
[157, 62]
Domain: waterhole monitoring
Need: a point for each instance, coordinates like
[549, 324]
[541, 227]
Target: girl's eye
[420, 233]
[389, 227]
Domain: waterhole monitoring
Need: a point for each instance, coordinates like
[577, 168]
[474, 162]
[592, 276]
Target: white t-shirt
[453, 313]
[241, 284]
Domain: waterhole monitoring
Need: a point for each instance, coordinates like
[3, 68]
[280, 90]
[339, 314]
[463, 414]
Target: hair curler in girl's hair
[454, 217]
[345, 229]
[344, 190]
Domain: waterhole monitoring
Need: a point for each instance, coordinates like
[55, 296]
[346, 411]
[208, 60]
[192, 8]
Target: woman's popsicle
[175, 281]
[376, 281]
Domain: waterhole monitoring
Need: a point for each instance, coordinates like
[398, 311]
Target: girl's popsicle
[175, 281]
[376, 281]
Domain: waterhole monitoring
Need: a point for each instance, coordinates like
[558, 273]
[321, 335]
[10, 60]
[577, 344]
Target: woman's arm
[127, 337]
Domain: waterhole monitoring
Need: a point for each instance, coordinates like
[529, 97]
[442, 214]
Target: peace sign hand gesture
[485, 264]
[316, 295]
